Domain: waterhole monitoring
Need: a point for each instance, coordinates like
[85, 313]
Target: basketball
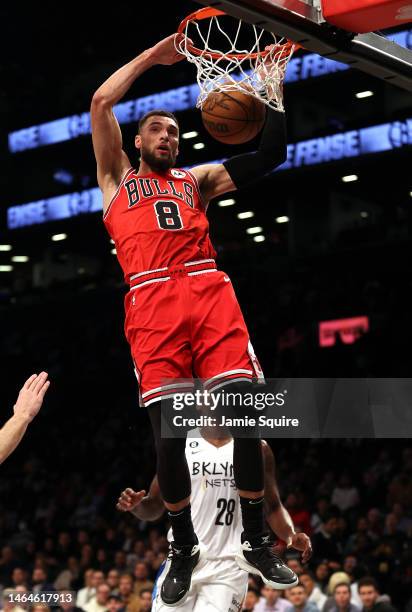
[233, 117]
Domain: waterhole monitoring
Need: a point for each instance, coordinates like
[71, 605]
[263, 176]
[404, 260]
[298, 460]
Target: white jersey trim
[201, 261]
[165, 387]
[229, 382]
[228, 373]
[153, 280]
[158, 398]
[201, 272]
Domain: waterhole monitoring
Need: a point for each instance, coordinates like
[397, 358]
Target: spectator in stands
[114, 604]
[251, 599]
[141, 578]
[64, 546]
[40, 607]
[67, 578]
[101, 560]
[313, 592]
[375, 526]
[81, 539]
[67, 602]
[271, 601]
[86, 593]
[8, 563]
[295, 565]
[8, 604]
[335, 579]
[350, 563]
[113, 579]
[299, 601]
[327, 485]
[120, 561]
[372, 601]
[322, 509]
[400, 490]
[86, 556]
[354, 571]
[325, 544]
[145, 600]
[39, 581]
[345, 496]
[19, 577]
[98, 603]
[322, 574]
[342, 599]
[129, 599]
[371, 487]
[392, 535]
[404, 523]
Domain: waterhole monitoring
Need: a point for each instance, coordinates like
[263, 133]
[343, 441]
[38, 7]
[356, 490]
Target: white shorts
[217, 586]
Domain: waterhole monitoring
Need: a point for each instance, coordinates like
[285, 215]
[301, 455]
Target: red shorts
[185, 321]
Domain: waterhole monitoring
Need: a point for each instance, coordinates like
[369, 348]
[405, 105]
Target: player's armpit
[111, 160]
[214, 180]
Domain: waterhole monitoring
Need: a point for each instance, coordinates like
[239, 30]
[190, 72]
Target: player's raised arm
[238, 171]
[145, 507]
[112, 161]
[26, 407]
[276, 514]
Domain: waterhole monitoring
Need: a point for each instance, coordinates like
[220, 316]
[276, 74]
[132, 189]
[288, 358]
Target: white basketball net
[259, 76]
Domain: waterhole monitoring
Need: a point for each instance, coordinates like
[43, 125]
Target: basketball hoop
[257, 71]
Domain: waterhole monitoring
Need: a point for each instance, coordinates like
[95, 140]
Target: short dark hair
[340, 584]
[308, 573]
[332, 513]
[158, 113]
[298, 585]
[368, 581]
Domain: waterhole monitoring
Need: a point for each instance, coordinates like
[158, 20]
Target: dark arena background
[326, 238]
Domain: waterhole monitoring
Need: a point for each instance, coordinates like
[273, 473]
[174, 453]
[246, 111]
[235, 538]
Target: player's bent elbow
[99, 100]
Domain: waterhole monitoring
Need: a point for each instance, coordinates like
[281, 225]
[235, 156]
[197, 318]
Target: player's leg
[156, 330]
[225, 358]
[175, 486]
[173, 476]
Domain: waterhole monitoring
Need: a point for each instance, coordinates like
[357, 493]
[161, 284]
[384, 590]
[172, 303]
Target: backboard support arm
[303, 23]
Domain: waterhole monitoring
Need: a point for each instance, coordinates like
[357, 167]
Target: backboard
[302, 21]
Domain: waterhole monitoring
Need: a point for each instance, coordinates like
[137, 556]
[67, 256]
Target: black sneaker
[257, 557]
[176, 585]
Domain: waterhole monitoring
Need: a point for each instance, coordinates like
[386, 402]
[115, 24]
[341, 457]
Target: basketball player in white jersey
[217, 582]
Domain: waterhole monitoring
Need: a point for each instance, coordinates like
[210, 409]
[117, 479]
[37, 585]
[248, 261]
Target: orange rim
[207, 13]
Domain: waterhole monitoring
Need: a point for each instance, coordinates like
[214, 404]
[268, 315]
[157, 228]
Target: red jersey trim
[125, 175]
[196, 182]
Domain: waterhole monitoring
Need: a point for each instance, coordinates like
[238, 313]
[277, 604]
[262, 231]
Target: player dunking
[217, 583]
[182, 315]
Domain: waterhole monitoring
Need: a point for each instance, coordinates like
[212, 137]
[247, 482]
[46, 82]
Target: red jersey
[158, 220]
